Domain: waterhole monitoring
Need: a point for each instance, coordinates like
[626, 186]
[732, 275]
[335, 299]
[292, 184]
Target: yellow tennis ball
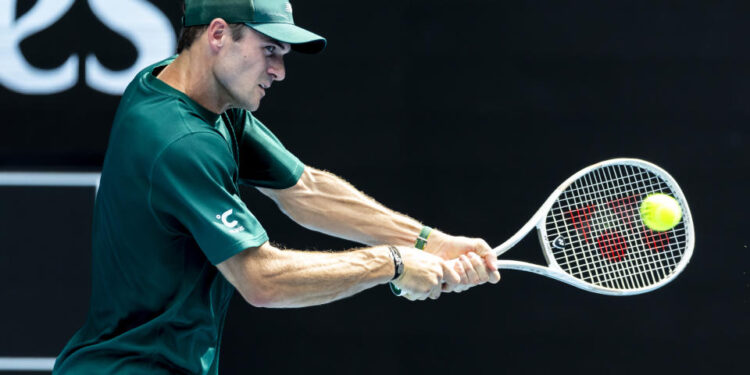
[660, 212]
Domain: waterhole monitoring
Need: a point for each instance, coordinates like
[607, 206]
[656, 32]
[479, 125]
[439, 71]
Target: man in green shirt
[172, 240]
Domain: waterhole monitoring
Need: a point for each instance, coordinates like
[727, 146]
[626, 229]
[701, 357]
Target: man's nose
[277, 69]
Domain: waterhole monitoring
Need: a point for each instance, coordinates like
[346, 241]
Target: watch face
[397, 260]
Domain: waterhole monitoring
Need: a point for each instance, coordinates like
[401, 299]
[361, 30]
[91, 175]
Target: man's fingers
[473, 277]
[435, 293]
[408, 296]
[494, 276]
[482, 248]
[492, 272]
[489, 260]
[461, 270]
[448, 288]
[479, 267]
[413, 296]
[450, 276]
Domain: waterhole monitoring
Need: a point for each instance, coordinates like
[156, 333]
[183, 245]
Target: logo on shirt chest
[230, 224]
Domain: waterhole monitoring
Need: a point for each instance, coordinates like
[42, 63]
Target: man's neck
[188, 75]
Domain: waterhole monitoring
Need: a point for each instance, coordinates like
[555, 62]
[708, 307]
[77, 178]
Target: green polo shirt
[167, 211]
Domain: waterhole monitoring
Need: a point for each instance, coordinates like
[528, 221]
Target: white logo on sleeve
[229, 224]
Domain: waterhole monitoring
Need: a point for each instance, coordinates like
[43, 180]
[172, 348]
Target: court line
[26, 364]
[50, 179]
[41, 179]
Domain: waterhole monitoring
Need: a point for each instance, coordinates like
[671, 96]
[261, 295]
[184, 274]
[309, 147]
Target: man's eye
[270, 49]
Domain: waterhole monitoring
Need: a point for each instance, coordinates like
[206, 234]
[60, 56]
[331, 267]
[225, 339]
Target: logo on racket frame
[559, 243]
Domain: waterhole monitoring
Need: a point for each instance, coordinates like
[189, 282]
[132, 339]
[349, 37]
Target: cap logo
[288, 7]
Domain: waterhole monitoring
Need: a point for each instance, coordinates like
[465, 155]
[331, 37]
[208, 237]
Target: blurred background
[465, 115]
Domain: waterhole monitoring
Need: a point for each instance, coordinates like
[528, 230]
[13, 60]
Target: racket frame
[554, 271]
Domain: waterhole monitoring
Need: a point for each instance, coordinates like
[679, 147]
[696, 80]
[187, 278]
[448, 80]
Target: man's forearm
[326, 203]
[270, 277]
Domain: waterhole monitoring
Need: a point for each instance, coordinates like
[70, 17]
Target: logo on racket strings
[559, 243]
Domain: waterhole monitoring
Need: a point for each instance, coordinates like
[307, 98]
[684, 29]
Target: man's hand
[473, 259]
[424, 274]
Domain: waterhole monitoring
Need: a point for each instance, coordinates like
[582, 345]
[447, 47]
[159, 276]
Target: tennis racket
[592, 235]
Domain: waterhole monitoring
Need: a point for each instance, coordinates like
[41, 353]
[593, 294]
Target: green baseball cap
[272, 18]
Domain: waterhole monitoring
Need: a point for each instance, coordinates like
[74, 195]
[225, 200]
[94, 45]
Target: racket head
[593, 232]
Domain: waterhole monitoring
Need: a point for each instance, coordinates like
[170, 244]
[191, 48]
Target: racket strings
[614, 274]
[655, 242]
[610, 238]
[654, 267]
[606, 244]
[651, 270]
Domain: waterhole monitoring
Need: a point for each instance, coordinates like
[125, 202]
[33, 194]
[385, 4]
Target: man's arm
[270, 277]
[326, 203]
[323, 202]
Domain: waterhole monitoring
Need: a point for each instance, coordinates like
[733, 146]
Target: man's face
[246, 68]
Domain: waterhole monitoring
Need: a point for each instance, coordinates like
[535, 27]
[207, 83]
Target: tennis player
[172, 240]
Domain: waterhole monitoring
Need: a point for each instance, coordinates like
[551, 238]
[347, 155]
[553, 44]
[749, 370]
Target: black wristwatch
[398, 263]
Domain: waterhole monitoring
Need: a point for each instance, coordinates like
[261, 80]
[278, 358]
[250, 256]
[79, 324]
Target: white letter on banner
[15, 72]
[141, 23]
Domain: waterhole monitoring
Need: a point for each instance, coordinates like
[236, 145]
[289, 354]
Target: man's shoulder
[151, 117]
[150, 106]
[160, 119]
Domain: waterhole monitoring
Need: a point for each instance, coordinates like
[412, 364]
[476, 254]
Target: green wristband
[422, 239]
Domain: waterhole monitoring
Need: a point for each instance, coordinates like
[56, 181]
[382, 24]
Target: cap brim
[300, 39]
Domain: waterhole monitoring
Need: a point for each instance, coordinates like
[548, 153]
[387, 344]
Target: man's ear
[218, 31]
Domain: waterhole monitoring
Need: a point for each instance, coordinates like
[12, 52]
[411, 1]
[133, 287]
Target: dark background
[465, 115]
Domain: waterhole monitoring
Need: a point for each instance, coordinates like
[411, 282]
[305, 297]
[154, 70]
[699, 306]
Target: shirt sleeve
[193, 192]
[264, 161]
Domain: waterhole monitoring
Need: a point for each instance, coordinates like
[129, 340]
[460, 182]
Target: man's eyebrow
[274, 41]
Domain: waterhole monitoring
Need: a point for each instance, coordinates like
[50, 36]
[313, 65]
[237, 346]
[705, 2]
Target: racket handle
[540, 270]
[521, 266]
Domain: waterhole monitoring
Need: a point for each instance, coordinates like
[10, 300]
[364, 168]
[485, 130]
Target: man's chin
[250, 107]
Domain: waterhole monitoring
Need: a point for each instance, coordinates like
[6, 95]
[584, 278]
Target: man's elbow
[260, 295]
[249, 274]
